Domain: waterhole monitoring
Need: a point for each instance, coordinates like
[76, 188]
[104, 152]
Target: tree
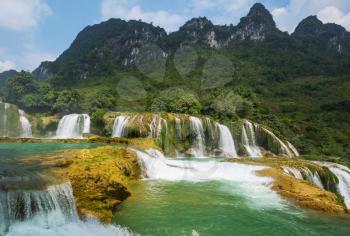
[68, 101]
[18, 86]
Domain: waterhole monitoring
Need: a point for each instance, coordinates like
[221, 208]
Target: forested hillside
[297, 84]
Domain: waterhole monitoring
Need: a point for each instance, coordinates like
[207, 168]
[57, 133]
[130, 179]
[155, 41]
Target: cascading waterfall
[183, 135]
[26, 128]
[19, 206]
[249, 140]
[198, 146]
[156, 167]
[48, 212]
[118, 126]
[73, 126]
[304, 174]
[293, 172]
[284, 148]
[4, 131]
[226, 143]
[343, 175]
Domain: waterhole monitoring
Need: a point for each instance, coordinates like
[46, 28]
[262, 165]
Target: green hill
[297, 84]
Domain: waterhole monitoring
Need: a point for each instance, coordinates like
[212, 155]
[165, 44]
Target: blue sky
[36, 30]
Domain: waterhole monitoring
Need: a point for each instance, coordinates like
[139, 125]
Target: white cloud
[32, 59]
[22, 14]
[279, 11]
[121, 9]
[332, 14]
[327, 10]
[223, 5]
[7, 65]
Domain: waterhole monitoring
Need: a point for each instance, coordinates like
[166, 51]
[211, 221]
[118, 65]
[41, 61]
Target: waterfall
[249, 140]
[343, 175]
[199, 136]
[73, 126]
[304, 174]
[157, 167]
[178, 128]
[293, 172]
[198, 147]
[284, 148]
[26, 128]
[48, 212]
[118, 126]
[226, 143]
[21, 205]
[3, 117]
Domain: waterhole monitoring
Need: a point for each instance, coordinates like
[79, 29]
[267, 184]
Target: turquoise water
[16, 173]
[179, 199]
[208, 197]
[215, 208]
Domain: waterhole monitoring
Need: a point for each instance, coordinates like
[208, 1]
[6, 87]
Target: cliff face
[117, 43]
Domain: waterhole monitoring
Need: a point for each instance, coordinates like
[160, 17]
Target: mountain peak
[197, 23]
[328, 36]
[311, 25]
[258, 9]
[257, 24]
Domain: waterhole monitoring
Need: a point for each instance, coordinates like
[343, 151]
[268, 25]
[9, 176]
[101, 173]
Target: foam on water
[91, 227]
[255, 188]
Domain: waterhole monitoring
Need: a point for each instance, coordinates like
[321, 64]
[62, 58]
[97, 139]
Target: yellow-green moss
[99, 178]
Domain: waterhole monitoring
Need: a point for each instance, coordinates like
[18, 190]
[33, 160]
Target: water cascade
[275, 143]
[249, 139]
[343, 175]
[226, 143]
[304, 174]
[4, 119]
[198, 148]
[157, 167]
[73, 126]
[118, 126]
[51, 211]
[13, 122]
[17, 206]
[26, 128]
[184, 135]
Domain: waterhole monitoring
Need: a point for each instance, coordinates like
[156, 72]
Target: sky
[33, 31]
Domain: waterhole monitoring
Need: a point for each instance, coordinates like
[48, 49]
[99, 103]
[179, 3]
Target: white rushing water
[249, 139]
[156, 167]
[4, 131]
[304, 174]
[26, 127]
[73, 126]
[343, 175]
[226, 143]
[285, 150]
[47, 212]
[198, 146]
[118, 126]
